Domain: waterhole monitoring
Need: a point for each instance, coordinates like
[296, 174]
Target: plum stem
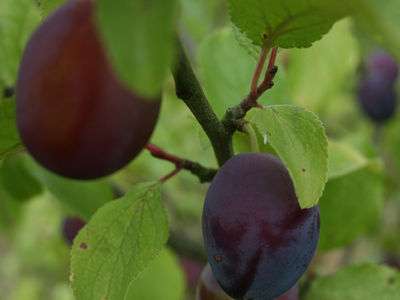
[204, 174]
[258, 70]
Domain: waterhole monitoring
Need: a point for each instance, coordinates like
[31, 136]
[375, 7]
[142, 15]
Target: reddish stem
[272, 59]
[271, 72]
[257, 72]
[251, 99]
[204, 174]
[161, 154]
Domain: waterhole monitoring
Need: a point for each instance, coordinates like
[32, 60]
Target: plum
[258, 240]
[208, 288]
[74, 115]
[376, 91]
[383, 63]
[377, 98]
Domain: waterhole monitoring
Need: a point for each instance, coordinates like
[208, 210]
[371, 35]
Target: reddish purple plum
[383, 63]
[74, 115]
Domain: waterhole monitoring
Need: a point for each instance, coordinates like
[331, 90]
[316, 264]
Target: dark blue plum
[258, 240]
[376, 92]
[208, 288]
[292, 294]
[377, 97]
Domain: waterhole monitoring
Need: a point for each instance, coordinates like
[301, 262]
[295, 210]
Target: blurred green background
[360, 209]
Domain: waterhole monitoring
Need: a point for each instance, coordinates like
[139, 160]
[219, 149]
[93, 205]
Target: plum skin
[377, 97]
[209, 289]
[71, 227]
[376, 91]
[384, 64]
[73, 114]
[258, 240]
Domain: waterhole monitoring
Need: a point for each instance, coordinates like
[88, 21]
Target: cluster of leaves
[122, 249]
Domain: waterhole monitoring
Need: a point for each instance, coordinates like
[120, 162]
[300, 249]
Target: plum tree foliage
[72, 107]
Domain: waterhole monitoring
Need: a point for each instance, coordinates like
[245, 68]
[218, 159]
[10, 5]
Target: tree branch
[234, 115]
[189, 90]
[204, 174]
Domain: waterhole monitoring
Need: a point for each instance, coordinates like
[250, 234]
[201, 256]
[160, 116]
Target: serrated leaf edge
[325, 146]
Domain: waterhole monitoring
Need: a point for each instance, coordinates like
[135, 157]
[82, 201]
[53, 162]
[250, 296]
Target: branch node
[238, 112]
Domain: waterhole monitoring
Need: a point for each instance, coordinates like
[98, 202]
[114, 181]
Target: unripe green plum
[74, 115]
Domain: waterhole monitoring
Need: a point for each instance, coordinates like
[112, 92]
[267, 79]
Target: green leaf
[167, 273]
[226, 69]
[140, 38]
[18, 18]
[10, 211]
[82, 197]
[17, 180]
[286, 23]
[9, 138]
[48, 6]
[343, 160]
[118, 243]
[298, 137]
[350, 206]
[363, 282]
[381, 20]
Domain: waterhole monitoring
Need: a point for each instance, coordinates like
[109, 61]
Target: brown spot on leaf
[303, 170]
[83, 246]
